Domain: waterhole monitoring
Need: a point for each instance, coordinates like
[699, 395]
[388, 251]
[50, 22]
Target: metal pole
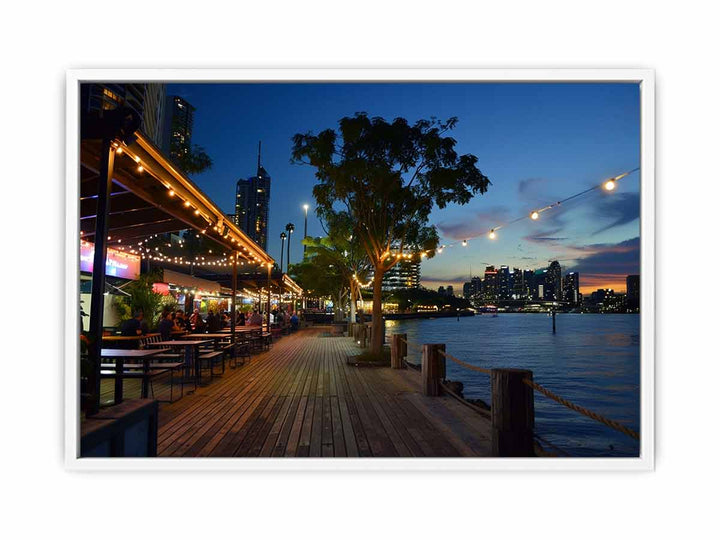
[288, 256]
[553, 315]
[97, 301]
[282, 250]
[305, 234]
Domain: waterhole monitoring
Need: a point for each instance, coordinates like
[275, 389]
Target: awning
[149, 195]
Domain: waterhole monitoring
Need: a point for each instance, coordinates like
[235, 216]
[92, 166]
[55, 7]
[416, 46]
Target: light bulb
[609, 185]
[491, 235]
[464, 243]
[534, 215]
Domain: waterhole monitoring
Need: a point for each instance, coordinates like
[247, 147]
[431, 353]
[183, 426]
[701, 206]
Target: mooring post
[398, 350]
[513, 413]
[553, 312]
[433, 368]
[362, 337]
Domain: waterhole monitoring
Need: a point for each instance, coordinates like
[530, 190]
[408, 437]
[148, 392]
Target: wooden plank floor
[302, 399]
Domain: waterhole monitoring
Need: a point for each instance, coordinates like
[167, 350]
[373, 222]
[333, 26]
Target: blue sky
[538, 143]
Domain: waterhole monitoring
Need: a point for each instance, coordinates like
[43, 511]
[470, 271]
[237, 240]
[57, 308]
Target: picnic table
[119, 355]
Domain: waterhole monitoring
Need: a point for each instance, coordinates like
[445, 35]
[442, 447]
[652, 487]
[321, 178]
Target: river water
[593, 360]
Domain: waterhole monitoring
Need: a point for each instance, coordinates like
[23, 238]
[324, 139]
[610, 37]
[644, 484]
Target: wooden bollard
[398, 350]
[362, 336]
[433, 368]
[513, 413]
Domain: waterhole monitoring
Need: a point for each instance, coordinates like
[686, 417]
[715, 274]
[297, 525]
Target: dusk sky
[538, 143]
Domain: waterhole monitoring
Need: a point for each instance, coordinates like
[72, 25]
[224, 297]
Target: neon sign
[117, 264]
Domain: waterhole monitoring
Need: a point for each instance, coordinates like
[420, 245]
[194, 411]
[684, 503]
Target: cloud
[607, 262]
[477, 224]
[619, 209]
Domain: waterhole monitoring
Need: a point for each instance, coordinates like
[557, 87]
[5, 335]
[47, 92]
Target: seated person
[134, 327]
[166, 326]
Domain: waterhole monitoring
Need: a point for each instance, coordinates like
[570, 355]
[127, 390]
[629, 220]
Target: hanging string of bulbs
[217, 227]
[608, 185]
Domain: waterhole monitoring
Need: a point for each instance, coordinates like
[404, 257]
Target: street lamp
[306, 207]
[290, 228]
[283, 236]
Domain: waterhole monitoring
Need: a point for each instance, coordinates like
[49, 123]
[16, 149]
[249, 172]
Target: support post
[513, 413]
[233, 310]
[553, 312]
[362, 338]
[398, 350]
[97, 299]
[269, 296]
[433, 368]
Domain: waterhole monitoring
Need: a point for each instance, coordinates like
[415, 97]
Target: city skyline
[537, 143]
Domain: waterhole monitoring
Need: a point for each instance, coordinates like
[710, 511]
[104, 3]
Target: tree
[388, 176]
[192, 160]
[341, 251]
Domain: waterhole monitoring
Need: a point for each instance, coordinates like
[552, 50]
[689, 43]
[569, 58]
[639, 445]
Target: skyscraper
[633, 292]
[571, 288]
[404, 275]
[553, 282]
[490, 285]
[252, 202]
[177, 132]
[147, 100]
[504, 284]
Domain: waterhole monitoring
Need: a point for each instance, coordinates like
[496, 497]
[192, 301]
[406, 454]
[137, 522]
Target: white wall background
[39, 42]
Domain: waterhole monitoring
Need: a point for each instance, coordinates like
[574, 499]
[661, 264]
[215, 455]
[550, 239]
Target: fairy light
[464, 243]
[535, 215]
[609, 185]
[491, 234]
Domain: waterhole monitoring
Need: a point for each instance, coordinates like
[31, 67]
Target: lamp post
[290, 228]
[283, 236]
[305, 206]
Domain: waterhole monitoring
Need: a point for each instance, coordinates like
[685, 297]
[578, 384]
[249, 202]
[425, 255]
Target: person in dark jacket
[213, 322]
[133, 327]
[166, 326]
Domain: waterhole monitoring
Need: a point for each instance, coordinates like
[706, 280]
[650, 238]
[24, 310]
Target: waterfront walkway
[301, 398]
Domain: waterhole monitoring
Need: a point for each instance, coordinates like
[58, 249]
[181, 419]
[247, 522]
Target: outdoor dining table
[119, 355]
[191, 347]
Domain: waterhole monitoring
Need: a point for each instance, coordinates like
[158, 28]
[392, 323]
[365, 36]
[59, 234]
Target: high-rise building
[504, 283]
[553, 282]
[153, 122]
[450, 291]
[490, 285]
[472, 288]
[539, 284]
[633, 292]
[177, 132]
[441, 290]
[252, 204]
[571, 288]
[147, 100]
[404, 275]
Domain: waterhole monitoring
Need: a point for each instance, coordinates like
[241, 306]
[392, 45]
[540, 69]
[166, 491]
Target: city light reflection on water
[592, 360]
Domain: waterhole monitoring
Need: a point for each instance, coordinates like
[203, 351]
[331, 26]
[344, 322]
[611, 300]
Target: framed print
[360, 269]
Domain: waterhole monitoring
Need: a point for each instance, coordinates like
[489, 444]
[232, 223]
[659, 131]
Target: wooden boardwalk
[301, 399]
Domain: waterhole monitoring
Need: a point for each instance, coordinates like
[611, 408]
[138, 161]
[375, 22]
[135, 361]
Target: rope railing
[465, 364]
[582, 410]
[532, 384]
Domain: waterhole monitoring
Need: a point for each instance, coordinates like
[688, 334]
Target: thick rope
[582, 410]
[465, 364]
[411, 344]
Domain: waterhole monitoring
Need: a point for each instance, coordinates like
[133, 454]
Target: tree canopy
[387, 177]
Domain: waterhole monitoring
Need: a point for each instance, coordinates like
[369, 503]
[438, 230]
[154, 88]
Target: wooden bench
[137, 371]
[242, 350]
[212, 357]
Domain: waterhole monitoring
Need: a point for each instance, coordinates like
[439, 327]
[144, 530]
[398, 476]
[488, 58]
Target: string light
[609, 185]
[535, 215]
[491, 234]
[464, 243]
[171, 193]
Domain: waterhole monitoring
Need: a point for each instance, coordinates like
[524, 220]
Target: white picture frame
[645, 78]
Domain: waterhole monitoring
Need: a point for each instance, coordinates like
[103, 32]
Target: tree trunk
[352, 303]
[377, 320]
